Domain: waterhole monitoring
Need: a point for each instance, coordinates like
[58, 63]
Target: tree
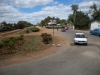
[70, 18]
[74, 9]
[63, 22]
[82, 20]
[23, 24]
[93, 7]
[4, 23]
[95, 13]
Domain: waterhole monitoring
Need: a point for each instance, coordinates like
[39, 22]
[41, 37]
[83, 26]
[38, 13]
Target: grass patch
[29, 30]
[32, 44]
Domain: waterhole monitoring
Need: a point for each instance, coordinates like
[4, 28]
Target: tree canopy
[47, 20]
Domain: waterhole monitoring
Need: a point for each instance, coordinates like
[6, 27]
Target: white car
[80, 38]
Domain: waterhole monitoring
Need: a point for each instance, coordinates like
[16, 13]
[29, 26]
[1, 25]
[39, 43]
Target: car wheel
[75, 43]
[86, 44]
[97, 34]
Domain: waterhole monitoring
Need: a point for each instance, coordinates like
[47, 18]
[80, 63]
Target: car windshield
[80, 36]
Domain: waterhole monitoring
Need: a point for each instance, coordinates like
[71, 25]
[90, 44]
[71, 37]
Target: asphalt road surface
[75, 60]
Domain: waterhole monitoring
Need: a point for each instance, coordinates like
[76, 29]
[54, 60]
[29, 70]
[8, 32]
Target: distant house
[51, 24]
[1, 25]
[95, 24]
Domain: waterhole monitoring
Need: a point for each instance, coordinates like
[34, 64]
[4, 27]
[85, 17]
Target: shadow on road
[89, 44]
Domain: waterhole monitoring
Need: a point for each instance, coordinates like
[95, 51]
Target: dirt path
[39, 54]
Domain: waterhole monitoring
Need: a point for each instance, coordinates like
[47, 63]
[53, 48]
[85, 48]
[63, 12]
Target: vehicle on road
[95, 31]
[63, 29]
[66, 27]
[80, 38]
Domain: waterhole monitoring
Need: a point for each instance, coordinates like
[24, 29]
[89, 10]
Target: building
[95, 24]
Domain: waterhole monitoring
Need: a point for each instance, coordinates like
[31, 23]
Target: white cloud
[29, 3]
[84, 6]
[3, 2]
[9, 13]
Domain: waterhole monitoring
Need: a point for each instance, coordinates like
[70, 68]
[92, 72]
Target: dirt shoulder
[39, 54]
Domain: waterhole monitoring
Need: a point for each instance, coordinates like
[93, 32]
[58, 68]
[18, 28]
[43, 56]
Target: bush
[6, 41]
[47, 38]
[9, 43]
[35, 29]
[55, 27]
[27, 31]
[21, 37]
[43, 34]
[13, 39]
[10, 46]
[1, 46]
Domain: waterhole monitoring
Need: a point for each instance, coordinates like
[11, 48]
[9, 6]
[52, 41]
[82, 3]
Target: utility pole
[53, 22]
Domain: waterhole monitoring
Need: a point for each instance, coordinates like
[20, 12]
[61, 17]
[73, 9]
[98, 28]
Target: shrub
[35, 29]
[10, 46]
[13, 39]
[1, 46]
[27, 31]
[21, 37]
[6, 41]
[47, 38]
[43, 34]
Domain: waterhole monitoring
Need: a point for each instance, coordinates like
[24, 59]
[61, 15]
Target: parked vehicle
[80, 38]
[95, 31]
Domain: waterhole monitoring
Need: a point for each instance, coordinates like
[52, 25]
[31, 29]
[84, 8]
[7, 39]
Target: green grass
[32, 44]
[32, 29]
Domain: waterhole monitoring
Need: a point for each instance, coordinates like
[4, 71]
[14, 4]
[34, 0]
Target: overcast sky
[36, 10]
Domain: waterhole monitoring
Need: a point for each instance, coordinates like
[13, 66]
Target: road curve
[75, 60]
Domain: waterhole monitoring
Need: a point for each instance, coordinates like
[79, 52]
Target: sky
[34, 11]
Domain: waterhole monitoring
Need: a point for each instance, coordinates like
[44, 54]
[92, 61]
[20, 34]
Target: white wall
[94, 25]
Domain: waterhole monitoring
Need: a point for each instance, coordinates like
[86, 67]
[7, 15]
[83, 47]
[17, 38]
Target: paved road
[76, 60]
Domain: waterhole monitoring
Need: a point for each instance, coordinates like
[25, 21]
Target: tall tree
[93, 7]
[95, 12]
[82, 20]
[74, 9]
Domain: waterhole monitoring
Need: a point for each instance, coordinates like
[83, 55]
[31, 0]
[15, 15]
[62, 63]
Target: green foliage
[55, 27]
[79, 18]
[35, 29]
[1, 45]
[10, 46]
[13, 39]
[47, 38]
[6, 41]
[43, 34]
[74, 8]
[27, 31]
[21, 37]
[47, 20]
[23, 24]
[70, 18]
[12, 26]
[95, 12]
[82, 20]
[9, 43]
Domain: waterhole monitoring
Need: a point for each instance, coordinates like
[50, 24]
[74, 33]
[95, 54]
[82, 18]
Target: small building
[51, 24]
[95, 24]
